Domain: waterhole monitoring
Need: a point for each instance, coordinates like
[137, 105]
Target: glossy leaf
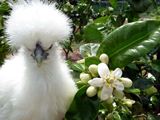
[92, 34]
[91, 60]
[83, 107]
[142, 83]
[113, 2]
[77, 67]
[156, 65]
[133, 90]
[89, 49]
[130, 41]
[101, 22]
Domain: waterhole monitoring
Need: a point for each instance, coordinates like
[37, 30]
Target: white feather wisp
[27, 91]
[34, 21]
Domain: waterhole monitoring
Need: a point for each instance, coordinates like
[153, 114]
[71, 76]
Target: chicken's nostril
[45, 55]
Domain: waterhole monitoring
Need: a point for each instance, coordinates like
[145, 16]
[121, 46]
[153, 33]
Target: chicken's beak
[39, 54]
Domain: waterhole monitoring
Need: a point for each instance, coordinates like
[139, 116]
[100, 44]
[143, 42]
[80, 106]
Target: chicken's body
[29, 91]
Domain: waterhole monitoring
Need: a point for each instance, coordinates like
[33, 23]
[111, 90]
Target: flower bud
[81, 61]
[104, 58]
[118, 94]
[128, 102]
[91, 91]
[93, 69]
[111, 9]
[126, 82]
[85, 77]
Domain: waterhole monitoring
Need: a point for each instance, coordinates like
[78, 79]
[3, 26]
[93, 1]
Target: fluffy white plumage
[35, 84]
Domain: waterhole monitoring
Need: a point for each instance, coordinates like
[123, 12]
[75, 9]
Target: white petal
[96, 82]
[117, 72]
[118, 85]
[103, 70]
[106, 92]
[126, 82]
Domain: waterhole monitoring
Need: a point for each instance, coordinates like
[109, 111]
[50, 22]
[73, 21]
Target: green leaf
[130, 42]
[92, 34]
[89, 49]
[116, 116]
[133, 90]
[154, 100]
[113, 3]
[156, 65]
[133, 66]
[83, 107]
[151, 90]
[152, 117]
[1, 19]
[4, 8]
[142, 83]
[77, 67]
[66, 45]
[101, 22]
[91, 60]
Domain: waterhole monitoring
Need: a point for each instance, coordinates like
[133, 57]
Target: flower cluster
[105, 82]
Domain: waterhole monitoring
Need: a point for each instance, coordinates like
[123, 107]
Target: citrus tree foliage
[4, 47]
[119, 74]
[134, 48]
[132, 44]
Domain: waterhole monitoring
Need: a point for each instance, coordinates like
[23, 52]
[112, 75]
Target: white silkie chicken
[35, 84]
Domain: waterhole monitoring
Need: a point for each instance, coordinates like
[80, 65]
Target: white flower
[107, 81]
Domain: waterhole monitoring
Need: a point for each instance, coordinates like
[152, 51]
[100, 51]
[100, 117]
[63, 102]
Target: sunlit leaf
[83, 107]
[130, 42]
[89, 49]
[92, 34]
[91, 60]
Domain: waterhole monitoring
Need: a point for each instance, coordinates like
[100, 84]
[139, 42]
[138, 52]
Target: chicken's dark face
[40, 54]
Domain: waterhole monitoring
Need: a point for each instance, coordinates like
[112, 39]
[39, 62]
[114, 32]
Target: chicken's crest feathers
[34, 21]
